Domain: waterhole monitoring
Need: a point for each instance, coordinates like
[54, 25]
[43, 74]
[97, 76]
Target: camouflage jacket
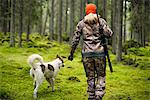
[88, 28]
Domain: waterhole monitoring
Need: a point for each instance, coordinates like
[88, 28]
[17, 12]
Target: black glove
[70, 57]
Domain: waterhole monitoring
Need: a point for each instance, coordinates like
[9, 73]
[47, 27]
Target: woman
[92, 28]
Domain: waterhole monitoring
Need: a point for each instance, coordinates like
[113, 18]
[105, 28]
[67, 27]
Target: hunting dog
[43, 70]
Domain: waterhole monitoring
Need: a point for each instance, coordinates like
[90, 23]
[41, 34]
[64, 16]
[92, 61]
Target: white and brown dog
[43, 70]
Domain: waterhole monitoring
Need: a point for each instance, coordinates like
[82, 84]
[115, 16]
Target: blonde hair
[91, 19]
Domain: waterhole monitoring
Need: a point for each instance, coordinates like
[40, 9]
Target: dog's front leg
[52, 83]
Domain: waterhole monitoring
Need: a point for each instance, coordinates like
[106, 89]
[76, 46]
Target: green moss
[140, 51]
[124, 83]
[5, 95]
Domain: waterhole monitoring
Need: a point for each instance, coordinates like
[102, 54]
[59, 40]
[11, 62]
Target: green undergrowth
[125, 83]
[138, 57]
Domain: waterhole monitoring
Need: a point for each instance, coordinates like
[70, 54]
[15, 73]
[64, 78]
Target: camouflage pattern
[91, 35]
[99, 66]
[88, 28]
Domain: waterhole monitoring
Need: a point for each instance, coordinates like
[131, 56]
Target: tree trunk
[4, 15]
[41, 19]
[12, 30]
[142, 23]
[113, 25]
[136, 20]
[21, 24]
[71, 18]
[131, 36]
[46, 17]
[112, 15]
[1, 14]
[125, 18]
[104, 15]
[84, 5]
[60, 22]
[82, 9]
[96, 2]
[9, 16]
[51, 29]
[29, 21]
[119, 30]
[66, 17]
[147, 21]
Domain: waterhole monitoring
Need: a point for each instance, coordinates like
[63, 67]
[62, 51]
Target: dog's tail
[32, 58]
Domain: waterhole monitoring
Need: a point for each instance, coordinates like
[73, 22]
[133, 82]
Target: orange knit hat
[90, 8]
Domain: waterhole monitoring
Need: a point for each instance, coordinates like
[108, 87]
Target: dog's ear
[60, 57]
[50, 67]
[63, 57]
[57, 56]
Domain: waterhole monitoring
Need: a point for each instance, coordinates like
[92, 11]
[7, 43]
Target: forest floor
[125, 83]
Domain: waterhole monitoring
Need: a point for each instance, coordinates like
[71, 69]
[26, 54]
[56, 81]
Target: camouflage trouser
[95, 66]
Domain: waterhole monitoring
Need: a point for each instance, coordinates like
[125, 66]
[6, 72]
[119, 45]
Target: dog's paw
[52, 89]
[35, 96]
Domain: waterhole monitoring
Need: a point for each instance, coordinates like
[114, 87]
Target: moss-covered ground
[127, 82]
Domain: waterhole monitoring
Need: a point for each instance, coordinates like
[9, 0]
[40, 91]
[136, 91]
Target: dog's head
[61, 59]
